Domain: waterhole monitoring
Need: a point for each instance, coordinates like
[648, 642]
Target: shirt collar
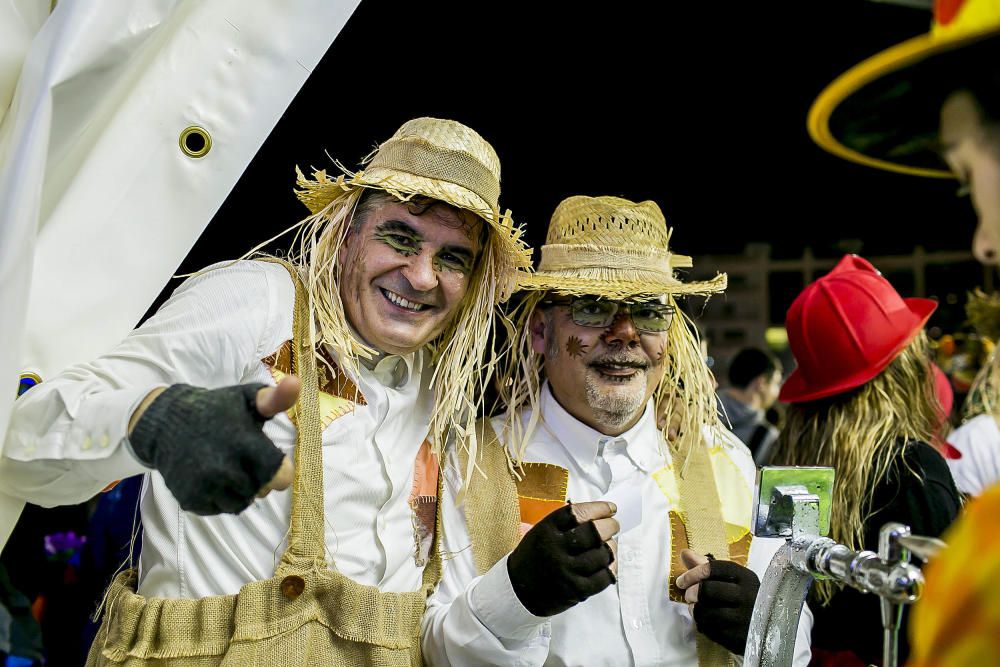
[390, 370]
[585, 444]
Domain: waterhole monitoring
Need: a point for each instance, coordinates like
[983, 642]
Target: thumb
[272, 400]
[281, 480]
[699, 569]
[692, 558]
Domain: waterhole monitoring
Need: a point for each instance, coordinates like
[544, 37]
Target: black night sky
[699, 106]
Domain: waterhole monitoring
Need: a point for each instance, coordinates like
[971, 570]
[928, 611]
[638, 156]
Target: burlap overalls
[306, 614]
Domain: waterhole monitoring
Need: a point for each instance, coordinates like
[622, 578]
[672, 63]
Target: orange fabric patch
[423, 502]
[738, 552]
[338, 395]
[331, 379]
[541, 490]
[534, 510]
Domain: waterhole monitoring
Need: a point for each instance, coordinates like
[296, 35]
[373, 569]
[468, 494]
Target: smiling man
[395, 282]
[600, 351]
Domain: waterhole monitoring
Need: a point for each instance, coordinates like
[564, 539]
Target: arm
[455, 625]
[502, 617]
[68, 436]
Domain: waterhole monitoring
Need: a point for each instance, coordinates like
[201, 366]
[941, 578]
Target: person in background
[930, 106]
[862, 400]
[754, 383]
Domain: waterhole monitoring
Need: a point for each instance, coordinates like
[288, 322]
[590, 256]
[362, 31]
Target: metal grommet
[195, 141]
[27, 381]
[292, 586]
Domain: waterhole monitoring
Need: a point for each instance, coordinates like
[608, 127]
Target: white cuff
[495, 604]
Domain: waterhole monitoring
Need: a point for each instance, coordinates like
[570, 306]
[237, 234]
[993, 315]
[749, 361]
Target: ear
[537, 327]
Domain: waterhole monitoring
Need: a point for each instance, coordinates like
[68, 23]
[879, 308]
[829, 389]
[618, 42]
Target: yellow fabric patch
[338, 395]
[736, 499]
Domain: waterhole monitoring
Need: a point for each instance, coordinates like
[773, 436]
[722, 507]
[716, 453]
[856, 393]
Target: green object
[815, 480]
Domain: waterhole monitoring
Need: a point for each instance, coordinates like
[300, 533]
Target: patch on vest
[541, 490]
[738, 537]
[423, 502]
[338, 395]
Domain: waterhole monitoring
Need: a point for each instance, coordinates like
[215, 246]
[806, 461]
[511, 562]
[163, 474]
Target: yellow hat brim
[895, 59]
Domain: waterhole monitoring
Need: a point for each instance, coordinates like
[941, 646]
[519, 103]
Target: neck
[747, 397]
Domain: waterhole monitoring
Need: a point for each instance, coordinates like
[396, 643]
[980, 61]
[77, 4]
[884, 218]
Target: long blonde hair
[463, 356]
[859, 433]
[686, 389]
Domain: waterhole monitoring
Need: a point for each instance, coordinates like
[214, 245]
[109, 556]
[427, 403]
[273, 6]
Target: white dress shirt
[67, 441]
[978, 441]
[478, 620]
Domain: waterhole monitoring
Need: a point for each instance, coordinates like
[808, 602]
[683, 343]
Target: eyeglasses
[588, 311]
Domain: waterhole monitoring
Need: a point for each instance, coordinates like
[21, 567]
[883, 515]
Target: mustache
[620, 360]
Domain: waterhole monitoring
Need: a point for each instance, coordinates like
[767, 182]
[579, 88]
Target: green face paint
[403, 243]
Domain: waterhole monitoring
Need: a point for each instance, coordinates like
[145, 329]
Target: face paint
[404, 243]
[576, 347]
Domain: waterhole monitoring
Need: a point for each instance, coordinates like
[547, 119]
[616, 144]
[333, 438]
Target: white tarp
[98, 204]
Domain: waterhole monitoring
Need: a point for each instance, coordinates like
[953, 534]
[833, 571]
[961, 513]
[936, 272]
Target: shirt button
[105, 440]
[636, 623]
[87, 442]
[292, 586]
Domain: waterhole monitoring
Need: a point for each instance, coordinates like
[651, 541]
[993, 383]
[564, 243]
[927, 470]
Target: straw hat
[884, 111]
[611, 247]
[436, 158]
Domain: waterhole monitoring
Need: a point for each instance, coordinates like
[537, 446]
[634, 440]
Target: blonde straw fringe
[686, 390]
[859, 433]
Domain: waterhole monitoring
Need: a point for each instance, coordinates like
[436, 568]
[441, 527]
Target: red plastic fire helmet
[845, 328]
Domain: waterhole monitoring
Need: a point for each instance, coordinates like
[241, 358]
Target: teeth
[403, 303]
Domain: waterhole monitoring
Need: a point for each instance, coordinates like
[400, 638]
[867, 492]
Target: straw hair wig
[449, 162]
[983, 312]
[616, 249]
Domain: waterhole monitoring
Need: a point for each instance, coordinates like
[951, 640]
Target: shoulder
[241, 279]
[725, 446]
[256, 297]
[975, 431]
[925, 461]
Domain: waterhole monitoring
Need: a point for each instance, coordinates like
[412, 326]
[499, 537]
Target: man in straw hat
[930, 106]
[600, 348]
[384, 315]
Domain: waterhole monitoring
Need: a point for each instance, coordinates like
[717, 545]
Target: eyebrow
[398, 226]
[401, 227]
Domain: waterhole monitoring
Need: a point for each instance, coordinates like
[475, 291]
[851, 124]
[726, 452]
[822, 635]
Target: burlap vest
[492, 540]
[306, 614]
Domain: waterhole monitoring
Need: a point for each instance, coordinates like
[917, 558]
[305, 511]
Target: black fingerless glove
[725, 605]
[208, 446]
[559, 563]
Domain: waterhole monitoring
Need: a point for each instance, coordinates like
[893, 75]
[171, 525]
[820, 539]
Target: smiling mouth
[618, 372]
[405, 304]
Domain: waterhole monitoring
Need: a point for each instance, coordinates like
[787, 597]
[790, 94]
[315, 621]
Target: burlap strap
[306, 546]
[702, 509]
[491, 508]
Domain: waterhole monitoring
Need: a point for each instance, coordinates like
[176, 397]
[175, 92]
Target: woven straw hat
[436, 158]
[883, 112]
[611, 247]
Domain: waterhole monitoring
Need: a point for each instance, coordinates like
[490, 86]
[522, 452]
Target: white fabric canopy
[98, 203]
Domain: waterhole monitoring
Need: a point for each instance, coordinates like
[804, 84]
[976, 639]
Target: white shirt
[978, 441]
[478, 620]
[67, 441]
